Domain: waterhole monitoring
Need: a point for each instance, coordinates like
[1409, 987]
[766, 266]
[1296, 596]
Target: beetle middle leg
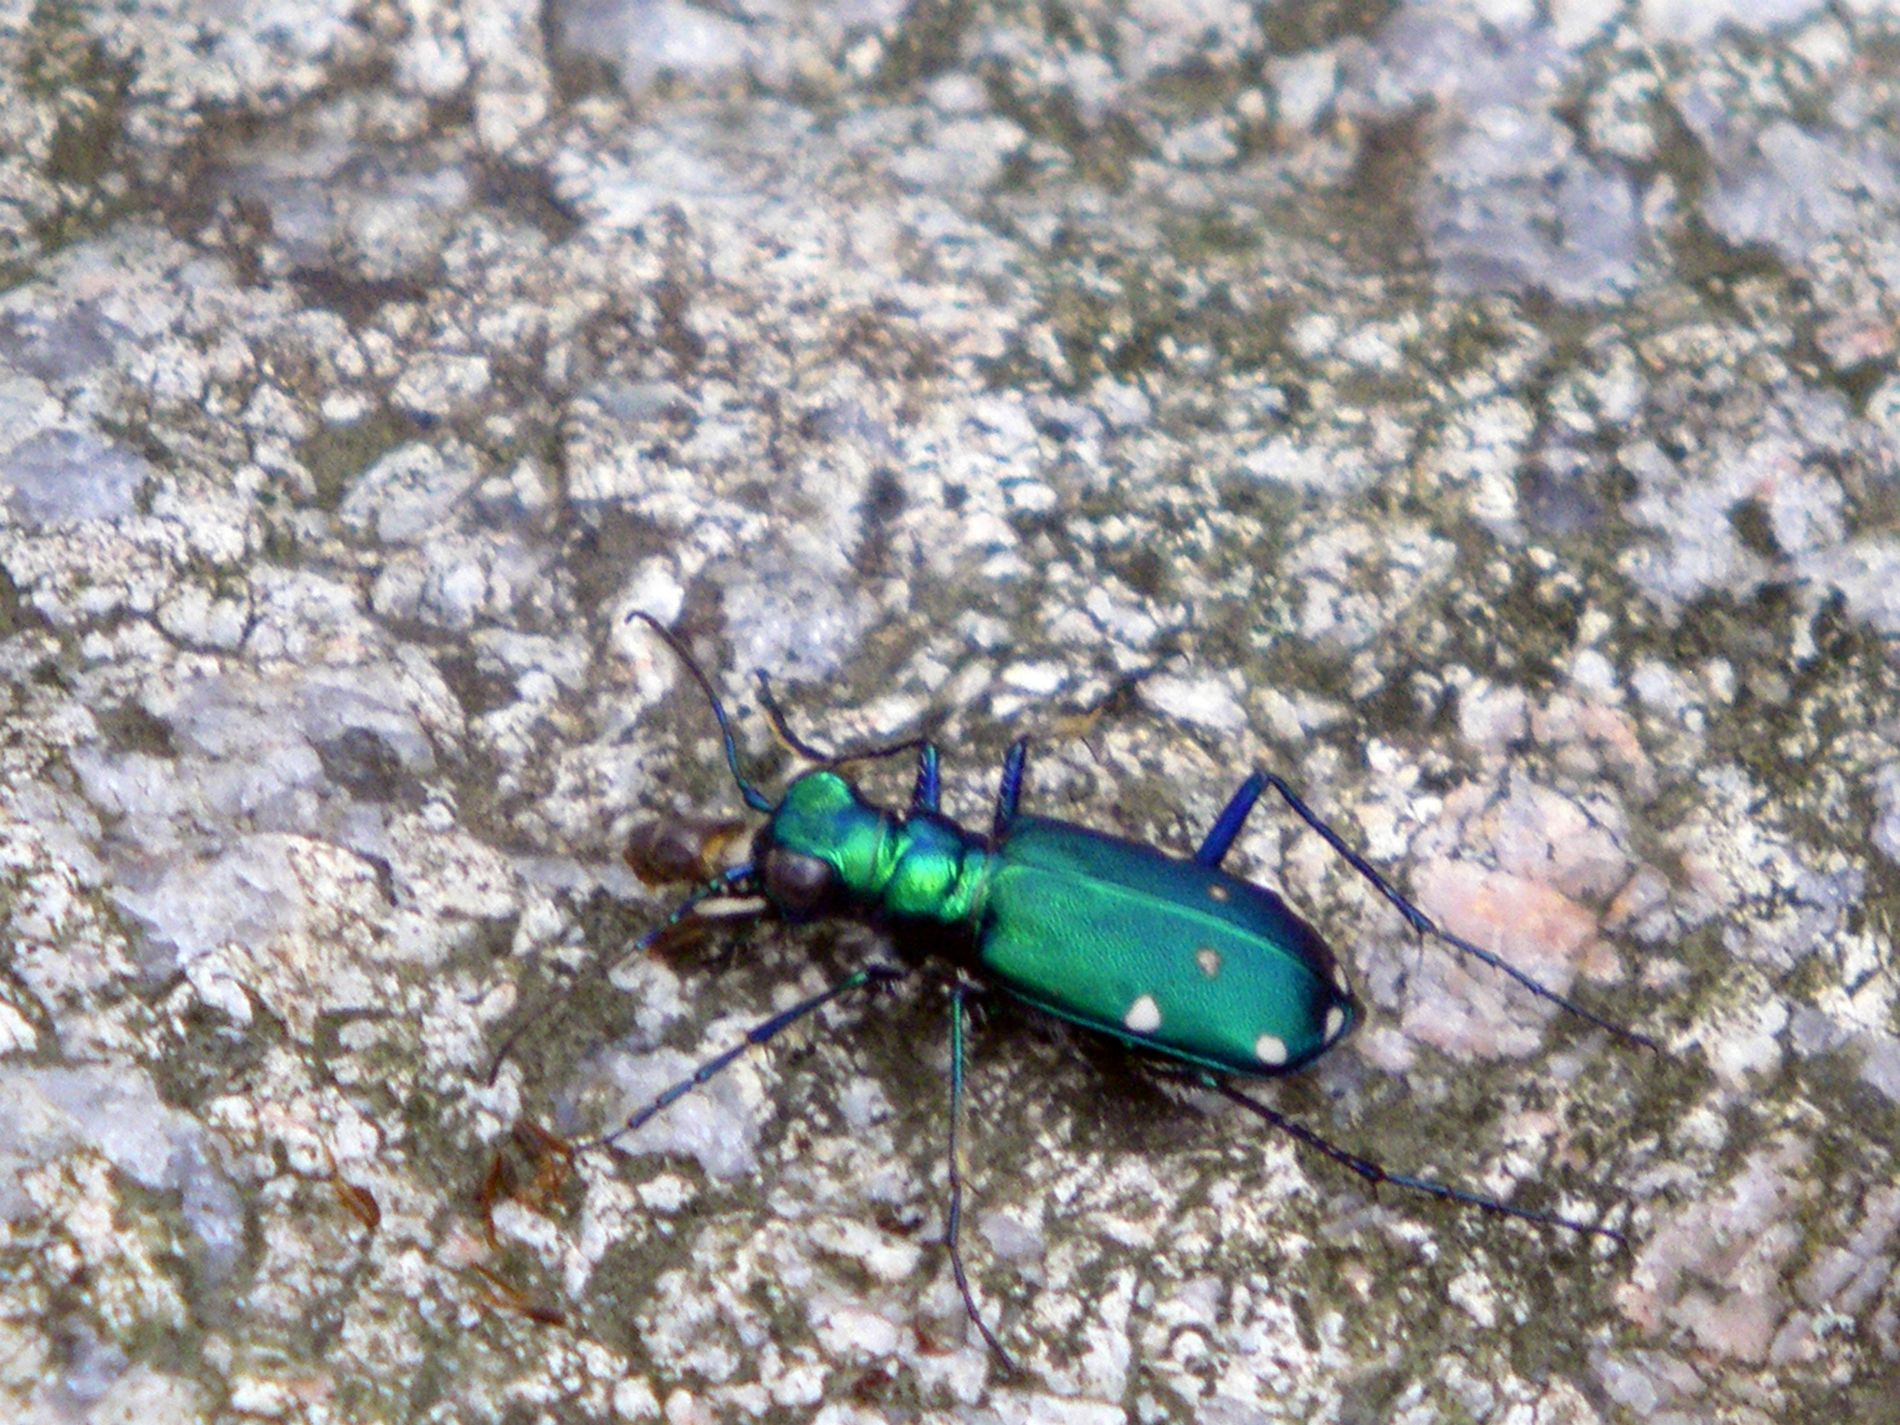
[1226, 828]
[1010, 790]
[953, 1218]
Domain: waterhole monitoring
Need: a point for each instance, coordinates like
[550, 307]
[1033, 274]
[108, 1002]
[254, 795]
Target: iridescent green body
[1163, 953]
[1171, 955]
[1158, 951]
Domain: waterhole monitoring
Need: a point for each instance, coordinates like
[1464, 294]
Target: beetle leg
[1010, 790]
[953, 1220]
[1416, 918]
[727, 881]
[761, 1033]
[927, 794]
[1227, 826]
[1374, 1174]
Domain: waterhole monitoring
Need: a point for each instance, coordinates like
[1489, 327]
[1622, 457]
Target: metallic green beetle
[1208, 974]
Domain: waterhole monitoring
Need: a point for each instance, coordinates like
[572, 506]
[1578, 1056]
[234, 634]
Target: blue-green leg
[1220, 838]
[762, 1032]
[1227, 827]
[928, 793]
[1374, 1174]
[954, 1218]
[732, 879]
[1010, 790]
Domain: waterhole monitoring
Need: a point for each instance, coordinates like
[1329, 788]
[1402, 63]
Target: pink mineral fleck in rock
[1715, 1266]
[1466, 1008]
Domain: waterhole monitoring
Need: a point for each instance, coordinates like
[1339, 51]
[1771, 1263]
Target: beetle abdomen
[1176, 957]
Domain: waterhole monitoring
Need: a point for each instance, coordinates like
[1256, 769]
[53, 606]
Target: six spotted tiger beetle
[1209, 975]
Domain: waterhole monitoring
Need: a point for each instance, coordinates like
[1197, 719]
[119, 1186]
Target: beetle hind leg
[1374, 1174]
[1228, 827]
[1220, 837]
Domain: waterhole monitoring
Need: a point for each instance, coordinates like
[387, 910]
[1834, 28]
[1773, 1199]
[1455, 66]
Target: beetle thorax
[937, 872]
[919, 867]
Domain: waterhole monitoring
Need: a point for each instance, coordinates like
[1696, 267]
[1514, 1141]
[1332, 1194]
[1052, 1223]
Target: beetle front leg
[761, 1033]
[734, 879]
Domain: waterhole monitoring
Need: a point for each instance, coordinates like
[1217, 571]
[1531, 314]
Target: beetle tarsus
[763, 1032]
[1374, 1173]
[728, 880]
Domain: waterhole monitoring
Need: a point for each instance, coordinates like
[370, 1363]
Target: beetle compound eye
[798, 884]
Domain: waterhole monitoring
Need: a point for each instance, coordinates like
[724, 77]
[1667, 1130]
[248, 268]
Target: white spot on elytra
[1144, 1016]
[1335, 1022]
[1270, 1049]
[1208, 958]
[1217, 892]
[1339, 978]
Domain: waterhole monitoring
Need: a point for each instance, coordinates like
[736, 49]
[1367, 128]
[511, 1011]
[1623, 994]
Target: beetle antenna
[792, 742]
[781, 729]
[754, 798]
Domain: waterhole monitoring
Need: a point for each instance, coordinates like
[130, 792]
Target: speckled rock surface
[1485, 413]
